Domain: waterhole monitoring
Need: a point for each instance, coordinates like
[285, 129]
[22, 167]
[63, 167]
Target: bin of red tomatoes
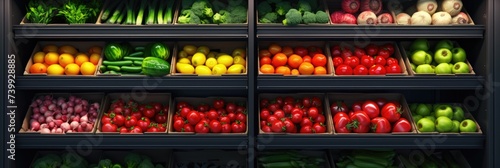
[359, 113]
[210, 115]
[294, 114]
[126, 113]
[367, 59]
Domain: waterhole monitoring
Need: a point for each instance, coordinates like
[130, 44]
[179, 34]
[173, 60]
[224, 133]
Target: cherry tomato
[212, 115]
[360, 70]
[360, 122]
[392, 60]
[336, 51]
[402, 125]
[238, 127]
[218, 104]
[161, 117]
[371, 109]
[391, 112]
[109, 127]
[230, 107]
[193, 117]
[264, 114]
[188, 128]
[226, 128]
[178, 125]
[215, 126]
[356, 106]
[389, 47]
[337, 61]
[306, 122]
[266, 128]
[343, 70]
[352, 61]
[338, 107]
[372, 49]
[306, 129]
[394, 68]
[297, 117]
[380, 125]
[119, 120]
[201, 127]
[341, 123]
[319, 128]
[300, 51]
[130, 121]
[377, 70]
[359, 52]
[185, 111]
[279, 114]
[313, 112]
[384, 53]
[367, 61]
[379, 60]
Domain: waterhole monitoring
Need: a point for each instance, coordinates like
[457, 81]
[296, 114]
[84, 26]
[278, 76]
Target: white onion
[441, 18]
[65, 126]
[74, 125]
[461, 18]
[45, 130]
[453, 7]
[429, 6]
[421, 18]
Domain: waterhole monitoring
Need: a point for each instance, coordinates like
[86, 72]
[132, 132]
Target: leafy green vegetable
[132, 160]
[40, 12]
[105, 163]
[79, 11]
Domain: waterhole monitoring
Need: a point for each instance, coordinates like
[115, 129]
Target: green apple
[431, 117]
[417, 117]
[425, 125]
[456, 126]
[413, 107]
[468, 125]
[458, 113]
[443, 68]
[420, 44]
[435, 106]
[443, 56]
[421, 57]
[413, 67]
[460, 67]
[424, 68]
[422, 110]
[448, 44]
[444, 111]
[458, 55]
[429, 106]
[444, 124]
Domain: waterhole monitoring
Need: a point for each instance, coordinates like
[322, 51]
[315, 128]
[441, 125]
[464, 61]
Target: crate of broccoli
[66, 159]
[292, 13]
[212, 12]
[135, 158]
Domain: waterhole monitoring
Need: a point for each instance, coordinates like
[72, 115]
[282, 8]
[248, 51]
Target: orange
[38, 68]
[319, 60]
[283, 70]
[306, 68]
[55, 69]
[306, 58]
[87, 68]
[50, 48]
[279, 59]
[274, 48]
[81, 58]
[295, 72]
[68, 50]
[95, 50]
[39, 57]
[72, 69]
[319, 70]
[294, 61]
[267, 69]
[65, 59]
[51, 58]
[265, 60]
[94, 58]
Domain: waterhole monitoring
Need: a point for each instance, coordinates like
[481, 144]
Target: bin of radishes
[361, 12]
[62, 113]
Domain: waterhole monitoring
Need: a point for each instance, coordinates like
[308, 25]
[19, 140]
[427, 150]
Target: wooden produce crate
[336, 5]
[225, 158]
[467, 115]
[312, 153]
[408, 3]
[321, 4]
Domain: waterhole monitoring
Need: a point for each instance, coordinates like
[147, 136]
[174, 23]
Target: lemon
[220, 54]
[39, 57]
[184, 61]
[226, 60]
[72, 69]
[65, 59]
[236, 69]
[184, 68]
[87, 68]
[203, 70]
[198, 59]
[211, 62]
[239, 60]
[55, 69]
[219, 69]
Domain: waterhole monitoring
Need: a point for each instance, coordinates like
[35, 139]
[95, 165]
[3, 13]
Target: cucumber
[131, 69]
[113, 72]
[137, 63]
[133, 58]
[141, 48]
[113, 68]
[137, 54]
[117, 63]
[102, 69]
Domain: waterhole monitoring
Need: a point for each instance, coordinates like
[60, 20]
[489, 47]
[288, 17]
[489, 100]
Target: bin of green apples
[442, 58]
[443, 118]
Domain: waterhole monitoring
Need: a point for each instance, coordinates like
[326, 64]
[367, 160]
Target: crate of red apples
[357, 113]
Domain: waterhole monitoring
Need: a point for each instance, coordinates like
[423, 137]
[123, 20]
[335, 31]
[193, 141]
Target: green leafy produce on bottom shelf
[66, 160]
[153, 66]
[366, 158]
[289, 159]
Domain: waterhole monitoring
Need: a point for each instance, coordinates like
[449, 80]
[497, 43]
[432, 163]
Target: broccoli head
[292, 18]
[73, 160]
[218, 5]
[132, 160]
[264, 7]
[322, 17]
[283, 7]
[50, 160]
[238, 15]
[221, 17]
[309, 17]
[269, 18]
[188, 17]
[303, 6]
[105, 163]
[202, 8]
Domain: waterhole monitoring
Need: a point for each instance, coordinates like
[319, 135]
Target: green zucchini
[113, 72]
[131, 69]
[137, 63]
[117, 63]
[137, 54]
[140, 48]
[133, 58]
[113, 68]
[102, 69]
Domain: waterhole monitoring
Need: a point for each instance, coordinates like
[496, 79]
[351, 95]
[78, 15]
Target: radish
[74, 125]
[59, 131]
[371, 5]
[45, 131]
[76, 118]
[35, 126]
[52, 124]
[65, 126]
[58, 122]
[84, 118]
[350, 6]
[367, 17]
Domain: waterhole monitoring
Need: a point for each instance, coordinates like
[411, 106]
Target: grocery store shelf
[127, 31]
[130, 83]
[371, 141]
[345, 31]
[390, 82]
[24, 141]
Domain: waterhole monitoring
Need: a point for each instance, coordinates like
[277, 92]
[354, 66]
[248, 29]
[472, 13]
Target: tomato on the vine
[380, 125]
[337, 61]
[377, 70]
[391, 112]
[341, 123]
[360, 70]
[343, 70]
[360, 122]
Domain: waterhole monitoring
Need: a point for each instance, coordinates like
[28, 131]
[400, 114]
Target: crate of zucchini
[293, 158]
[221, 12]
[61, 12]
[366, 158]
[136, 58]
[137, 12]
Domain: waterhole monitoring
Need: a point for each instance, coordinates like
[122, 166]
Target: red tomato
[341, 123]
[402, 125]
[377, 70]
[212, 115]
[391, 112]
[185, 111]
[381, 102]
[337, 61]
[290, 126]
[360, 122]
[215, 126]
[356, 106]
[280, 101]
[371, 49]
[181, 104]
[389, 47]
[152, 129]
[306, 129]
[379, 60]
[380, 125]
[384, 53]
[178, 125]
[226, 128]
[136, 130]
[319, 128]
[123, 130]
[320, 119]
[119, 120]
[287, 108]
[272, 119]
[160, 118]
[241, 117]
[108, 127]
[338, 107]
[319, 60]
[137, 115]
[306, 122]
[264, 102]
[313, 50]
[148, 112]
[360, 70]
[266, 128]
[367, 61]
[105, 119]
[218, 104]
[143, 123]
[203, 108]
[262, 123]
[264, 114]
[392, 60]
[225, 120]
[287, 50]
[300, 51]
[313, 112]
[230, 107]
[316, 102]
[359, 52]
[193, 117]
[157, 106]
[371, 109]
[343, 70]
[273, 107]
[162, 127]
[130, 121]
[336, 51]
[238, 127]
[296, 117]
[188, 128]
[346, 52]
[289, 100]
[279, 113]
[240, 109]
[231, 116]
[201, 127]
[352, 61]
[118, 110]
[394, 68]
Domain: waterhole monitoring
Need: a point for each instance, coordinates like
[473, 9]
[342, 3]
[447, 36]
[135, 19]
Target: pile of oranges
[292, 61]
[65, 60]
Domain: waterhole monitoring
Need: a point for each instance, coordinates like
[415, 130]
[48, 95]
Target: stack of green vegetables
[122, 58]
[292, 13]
[366, 158]
[132, 160]
[73, 11]
[214, 12]
[289, 159]
[436, 160]
[65, 160]
[138, 12]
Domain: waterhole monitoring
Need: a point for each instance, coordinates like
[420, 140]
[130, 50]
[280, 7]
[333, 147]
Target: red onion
[41, 119]
[70, 104]
[52, 107]
[367, 17]
[83, 113]
[33, 104]
[70, 110]
[58, 116]
[45, 131]
[83, 124]
[36, 110]
[58, 122]
[36, 115]
[47, 102]
[350, 6]
[59, 131]
[65, 126]
[84, 118]
[48, 97]
[32, 120]
[64, 118]
[72, 98]
[95, 105]
[64, 106]
[371, 5]
[43, 109]
[69, 131]
[35, 126]
[76, 118]
[85, 102]
[78, 108]
[52, 124]
[64, 112]
[38, 101]
[74, 124]
[49, 119]
[349, 19]
[385, 18]
[80, 129]
[48, 113]
[78, 100]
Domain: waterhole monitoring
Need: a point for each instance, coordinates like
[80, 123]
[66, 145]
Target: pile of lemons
[65, 60]
[201, 61]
